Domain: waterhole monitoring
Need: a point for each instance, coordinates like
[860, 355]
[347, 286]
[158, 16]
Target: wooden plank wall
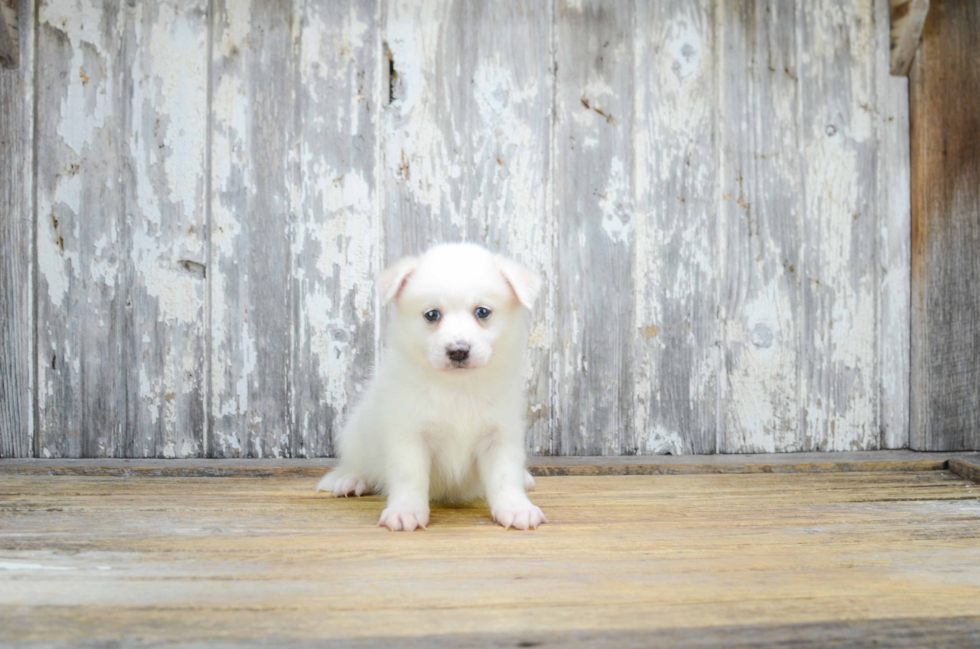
[715, 192]
[945, 108]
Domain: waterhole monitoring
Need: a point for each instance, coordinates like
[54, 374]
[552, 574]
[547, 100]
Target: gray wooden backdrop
[197, 195]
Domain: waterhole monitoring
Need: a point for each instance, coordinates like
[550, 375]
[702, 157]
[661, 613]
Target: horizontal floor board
[260, 559]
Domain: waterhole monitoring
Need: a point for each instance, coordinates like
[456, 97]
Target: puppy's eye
[482, 312]
[432, 316]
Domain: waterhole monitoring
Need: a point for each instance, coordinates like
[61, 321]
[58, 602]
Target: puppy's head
[458, 304]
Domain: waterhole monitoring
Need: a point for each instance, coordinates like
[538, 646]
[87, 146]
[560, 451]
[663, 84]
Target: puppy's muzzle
[458, 352]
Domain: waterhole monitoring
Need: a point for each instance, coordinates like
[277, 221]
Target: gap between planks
[965, 465]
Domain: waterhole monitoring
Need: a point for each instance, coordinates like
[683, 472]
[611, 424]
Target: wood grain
[675, 334]
[908, 17]
[761, 204]
[335, 222]
[185, 560]
[814, 462]
[894, 204]
[839, 382]
[121, 237]
[17, 252]
[945, 127]
[294, 224]
[253, 112]
[895, 633]
[967, 468]
[594, 313]
[904, 633]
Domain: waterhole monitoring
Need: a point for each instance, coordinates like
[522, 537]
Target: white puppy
[444, 417]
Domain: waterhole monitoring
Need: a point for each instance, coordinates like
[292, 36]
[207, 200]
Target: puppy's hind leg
[341, 482]
[528, 481]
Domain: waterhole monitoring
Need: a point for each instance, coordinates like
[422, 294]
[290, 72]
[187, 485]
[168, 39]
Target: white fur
[430, 428]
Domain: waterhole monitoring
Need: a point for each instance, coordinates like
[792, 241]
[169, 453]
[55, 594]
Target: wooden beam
[907, 18]
[967, 468]
[848, 462]
[9, 42]
[945, 147]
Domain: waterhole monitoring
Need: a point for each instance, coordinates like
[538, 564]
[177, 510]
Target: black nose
[458, 352]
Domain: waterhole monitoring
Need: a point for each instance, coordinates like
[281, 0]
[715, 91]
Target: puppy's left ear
[392, 279]
[522, 280]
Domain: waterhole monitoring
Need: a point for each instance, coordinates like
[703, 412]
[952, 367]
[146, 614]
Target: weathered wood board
[894, 203]
[17, 248]
[839, 382]
[674, 341]
[294, 227]
[715, 193]
[945, 118]
[121, 241]
[264, 561]
[594, 212]
[907, 19]
[813, 462]
[761, 214]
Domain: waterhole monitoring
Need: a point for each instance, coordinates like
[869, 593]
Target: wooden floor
[773, 559]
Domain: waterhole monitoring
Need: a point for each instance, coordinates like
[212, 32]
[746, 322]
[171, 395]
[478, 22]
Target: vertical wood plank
[761, 207]
[675, 163]
[945, 126]
[69, 43]
[423, 164]
[253, 115]
[895, 226]
[164, 96]
[596, 243]
[467, 147]
[121, 149]
[335, 221]
[17, 246]
[294, 222]
[840, 226]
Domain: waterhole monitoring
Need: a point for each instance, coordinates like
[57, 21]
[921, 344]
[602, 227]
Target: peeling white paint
[617, 218]
[180, 80]
[52, 263]
[418, 149]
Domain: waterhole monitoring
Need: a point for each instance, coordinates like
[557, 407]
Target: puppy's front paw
[400, 520]
[521, 516]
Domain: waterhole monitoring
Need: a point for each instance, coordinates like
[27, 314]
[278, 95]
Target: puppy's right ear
[392, 279]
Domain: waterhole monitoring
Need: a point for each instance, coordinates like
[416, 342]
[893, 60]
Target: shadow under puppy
[443, 419]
